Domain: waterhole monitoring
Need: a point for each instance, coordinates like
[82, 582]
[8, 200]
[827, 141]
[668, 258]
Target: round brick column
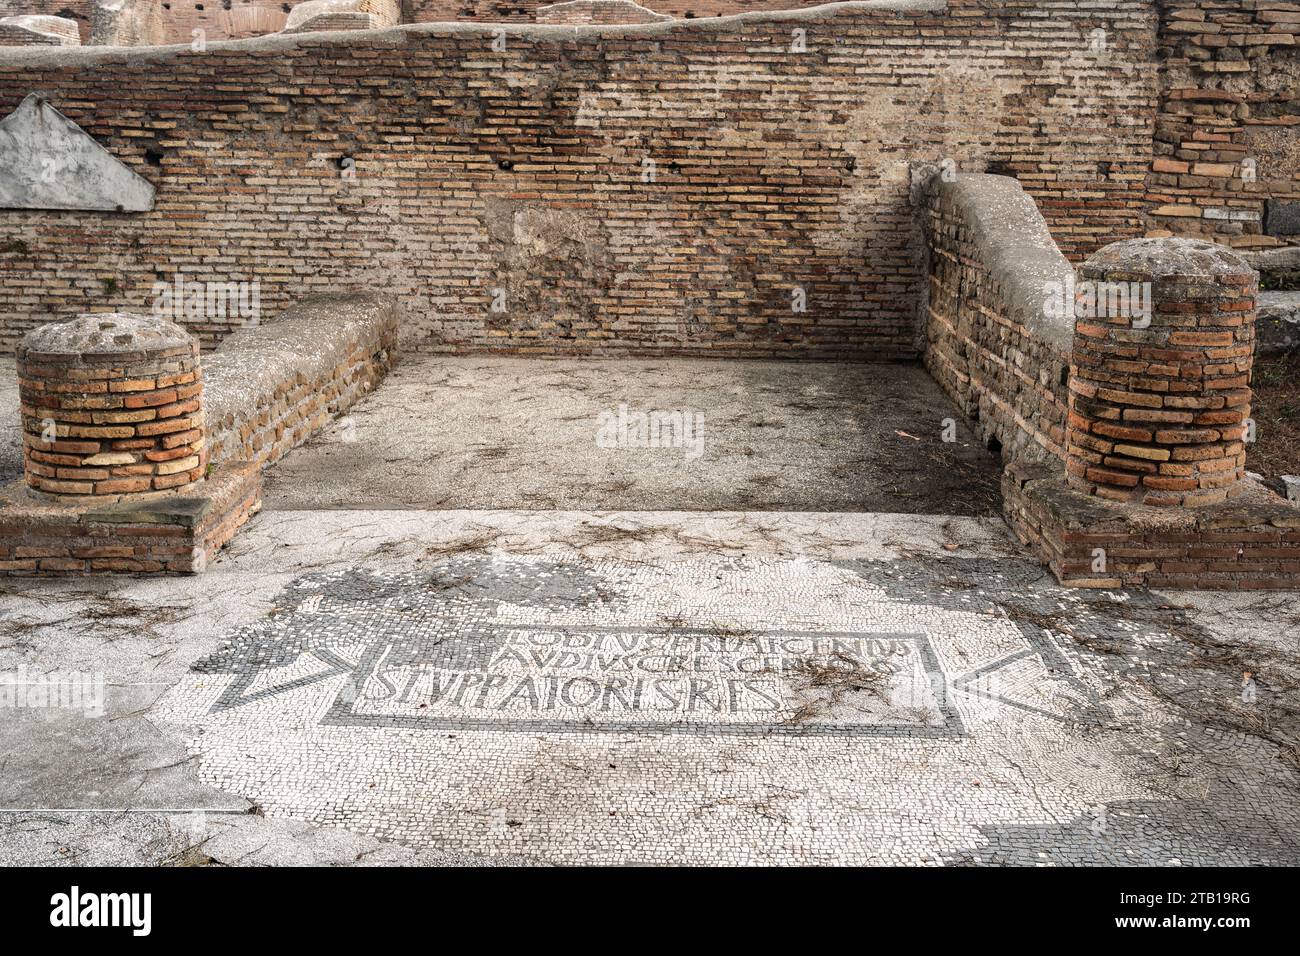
[111, 406]
[1159, 396]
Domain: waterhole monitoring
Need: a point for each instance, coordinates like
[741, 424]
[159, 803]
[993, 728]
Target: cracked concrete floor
[457, 686]
[480, 432]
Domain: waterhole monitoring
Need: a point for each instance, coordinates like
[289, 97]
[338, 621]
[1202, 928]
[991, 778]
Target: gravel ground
[522, 433]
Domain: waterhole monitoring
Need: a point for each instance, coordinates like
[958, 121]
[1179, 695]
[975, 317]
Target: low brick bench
[266, 390]
[270, 388]
[1119, 395]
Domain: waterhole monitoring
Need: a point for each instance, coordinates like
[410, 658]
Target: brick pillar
[1158, 402]
[111, 406]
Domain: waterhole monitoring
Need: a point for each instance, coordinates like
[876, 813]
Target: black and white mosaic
[713, 710]
[417, 652]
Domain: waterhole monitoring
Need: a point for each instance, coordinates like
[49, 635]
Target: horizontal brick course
[120, 411]
[1250, 543]
[520, 176]
[1228, 127]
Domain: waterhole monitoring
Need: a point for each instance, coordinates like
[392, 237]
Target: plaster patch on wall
[885, 130]
[549, 259]
[49, 162]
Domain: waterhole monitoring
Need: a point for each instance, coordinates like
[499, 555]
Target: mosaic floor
[741, 709]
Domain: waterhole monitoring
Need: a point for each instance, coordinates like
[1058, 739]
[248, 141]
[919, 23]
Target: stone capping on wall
[986, 336]
[270, 388]
[58, 57]
[1016, 248]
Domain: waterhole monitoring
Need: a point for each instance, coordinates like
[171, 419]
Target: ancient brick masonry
[273, 387]
[114, 455]
[1158, 401]
[523, 176]
[268, 389]
[1228, 129]
[579, 12]
[342, 15]
[1249, 543]
[1156, 494]
[491, 11]
[221, 20]
[111, 406]
[986, 337]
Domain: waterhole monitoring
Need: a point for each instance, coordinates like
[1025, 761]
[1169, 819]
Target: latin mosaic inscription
[403, 655]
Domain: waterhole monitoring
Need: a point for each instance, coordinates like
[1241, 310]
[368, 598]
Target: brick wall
[130, 23]
[986, 336]
[270, 388]
[342, 15]
[222, 19]
[508, 197]
[698, 9]
[1231, 99]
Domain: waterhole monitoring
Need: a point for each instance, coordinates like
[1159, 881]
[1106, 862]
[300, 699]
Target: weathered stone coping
[270, 387]
[1017, 250]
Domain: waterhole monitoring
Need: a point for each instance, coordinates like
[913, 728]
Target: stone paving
[659, 688]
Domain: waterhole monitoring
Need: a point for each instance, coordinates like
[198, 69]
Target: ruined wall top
[137, 23]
